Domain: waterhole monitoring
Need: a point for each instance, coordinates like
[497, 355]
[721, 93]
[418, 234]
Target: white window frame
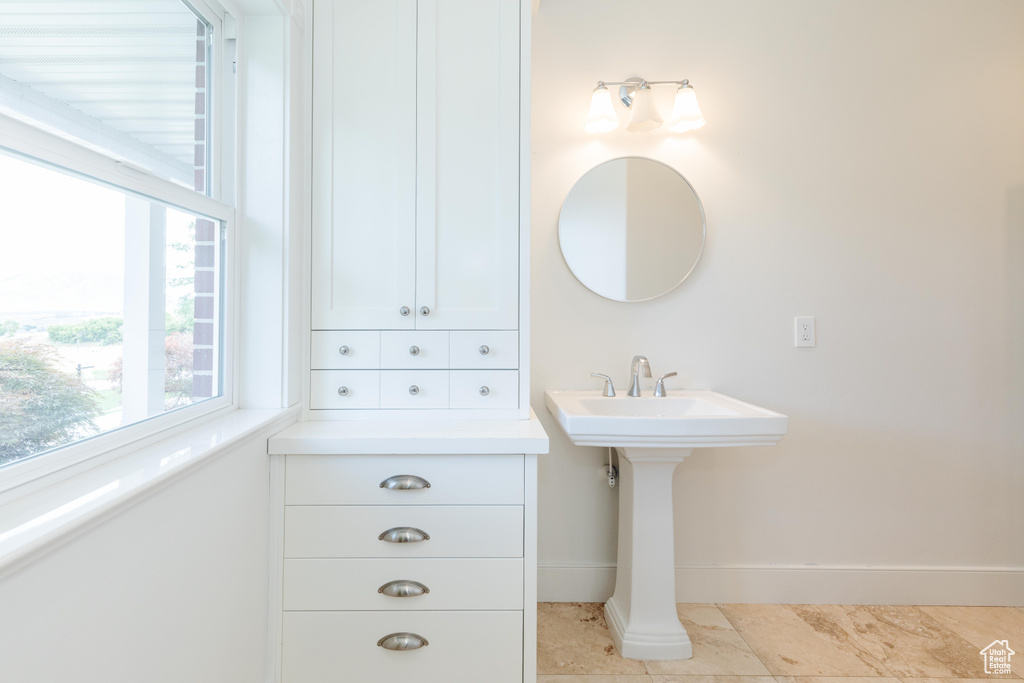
[27, 140]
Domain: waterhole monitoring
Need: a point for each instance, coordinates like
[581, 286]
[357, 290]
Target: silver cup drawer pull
[402, 641]
[403, 589]
[405, 482]
[404, 534]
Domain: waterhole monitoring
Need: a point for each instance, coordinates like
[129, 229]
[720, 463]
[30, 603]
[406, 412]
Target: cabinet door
[468, 164]
[364, 164]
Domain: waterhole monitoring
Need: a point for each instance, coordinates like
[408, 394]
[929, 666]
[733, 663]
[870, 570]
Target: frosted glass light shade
[644, 114]
[686, 113]
[602, 118]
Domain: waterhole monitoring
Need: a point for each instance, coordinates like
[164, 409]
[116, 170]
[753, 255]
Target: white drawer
[469, 584]
[344, 350]
[482, 349]
[463, 647]
[357, 479]
[412, 350]
[341, 389]
[354, 531]
[484, 389]
[412, 389]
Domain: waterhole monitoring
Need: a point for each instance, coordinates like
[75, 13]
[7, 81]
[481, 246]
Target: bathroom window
[115, 225]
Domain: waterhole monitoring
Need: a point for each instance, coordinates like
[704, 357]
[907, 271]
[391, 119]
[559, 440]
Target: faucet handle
[609, 388]
[659, 388]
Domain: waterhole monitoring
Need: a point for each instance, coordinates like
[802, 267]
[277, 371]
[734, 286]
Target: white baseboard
[846, 585]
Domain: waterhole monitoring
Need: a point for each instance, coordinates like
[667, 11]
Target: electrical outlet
[805, 331]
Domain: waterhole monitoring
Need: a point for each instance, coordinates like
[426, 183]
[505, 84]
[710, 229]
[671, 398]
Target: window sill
[41, 519]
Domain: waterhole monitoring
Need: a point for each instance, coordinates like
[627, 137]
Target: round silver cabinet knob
[404, 310]
[414, 350]
[342, 391]
[424, 310]
[344, 350]
[484, 391]
[414, 390]
[484, 350]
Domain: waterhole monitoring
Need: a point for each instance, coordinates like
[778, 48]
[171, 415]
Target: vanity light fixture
[636, 95]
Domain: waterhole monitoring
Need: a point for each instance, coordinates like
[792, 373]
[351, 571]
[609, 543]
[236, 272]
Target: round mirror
[631, 229]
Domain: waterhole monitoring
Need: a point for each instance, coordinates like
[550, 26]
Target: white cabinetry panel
[344, 389]
[412, 350]
[345, 350]
[462, 584]
[464, 647]
[354, 531]
[357, 479]
[364, 164]
[468, 164]
[414, 389]
[484, 349]
[484, 389]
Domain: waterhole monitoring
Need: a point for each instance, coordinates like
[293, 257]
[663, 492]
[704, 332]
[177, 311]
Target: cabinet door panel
[468, 164]
[364, 164]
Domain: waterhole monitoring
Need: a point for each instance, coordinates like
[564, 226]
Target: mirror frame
[703, 234]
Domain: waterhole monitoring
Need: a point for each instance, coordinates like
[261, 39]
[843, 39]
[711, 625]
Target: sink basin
[653, 435]
[683, 419]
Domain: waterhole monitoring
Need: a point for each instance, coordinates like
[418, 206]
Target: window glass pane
[128, 78]
[110, 308]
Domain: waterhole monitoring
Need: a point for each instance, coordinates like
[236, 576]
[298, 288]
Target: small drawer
[447, 584]
[413, 350]
[481, 350]
[373, 480]
[344, 389]
[412, 389]
[484, 389]
[355, 531]
[344, 350]
[461, 647]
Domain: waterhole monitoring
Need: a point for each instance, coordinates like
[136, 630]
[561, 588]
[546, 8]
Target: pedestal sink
[653, 435]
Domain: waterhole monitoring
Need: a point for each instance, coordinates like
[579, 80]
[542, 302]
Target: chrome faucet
[634, 369]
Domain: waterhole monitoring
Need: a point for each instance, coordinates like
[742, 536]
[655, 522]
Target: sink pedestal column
[641, 615]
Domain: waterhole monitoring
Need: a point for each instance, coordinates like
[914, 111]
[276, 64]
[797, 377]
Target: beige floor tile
[600, 678]
[908, 642]
[944, 680]
[979, 626]
[800, 640]
[833, 679]
[662, 678]
[572, 638]
[718, 650]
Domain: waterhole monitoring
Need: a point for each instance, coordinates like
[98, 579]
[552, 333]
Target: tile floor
[787, 644]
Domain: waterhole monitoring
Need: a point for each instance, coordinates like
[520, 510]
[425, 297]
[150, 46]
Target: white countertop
[426, 437]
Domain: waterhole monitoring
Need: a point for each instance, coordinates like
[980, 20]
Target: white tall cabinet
[416, 164]
[405, 544]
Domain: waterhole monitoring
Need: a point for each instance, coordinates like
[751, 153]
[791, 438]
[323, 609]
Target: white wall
[173, 589]
[863, 162]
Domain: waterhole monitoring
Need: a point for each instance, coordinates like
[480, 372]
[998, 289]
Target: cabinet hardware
[344, 350]
[484, 391]
[424, 311]
[414, 390]
[342, 391]
[404, 482]
[404, 534]
[402, 641]
[404, 310]
[484, 350]
[414, 350]
[403, 589]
